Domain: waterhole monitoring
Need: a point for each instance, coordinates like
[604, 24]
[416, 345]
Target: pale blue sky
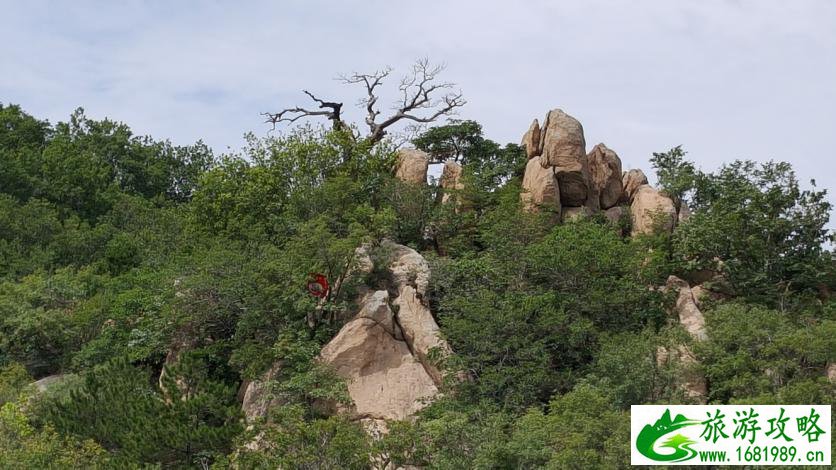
[727, 79]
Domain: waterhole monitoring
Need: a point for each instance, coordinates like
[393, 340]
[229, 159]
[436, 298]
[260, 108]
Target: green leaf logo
[680, 444]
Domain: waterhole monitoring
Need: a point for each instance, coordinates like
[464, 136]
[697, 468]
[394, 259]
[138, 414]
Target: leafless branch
[419, 100]
[331, 110]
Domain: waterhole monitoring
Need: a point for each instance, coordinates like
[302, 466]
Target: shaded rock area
[605, 177]
[257, 398]
[531, 140]
[564, 149]
[540, 188]
[631, 181]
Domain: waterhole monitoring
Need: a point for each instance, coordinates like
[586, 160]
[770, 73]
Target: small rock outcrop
[564, 149]
[605, 177]
[631, 181]
[691, 318]
[43, 384]
[540, 188]
[412, 166]
[687, 308]
[830, 372]
[258, 398]
[649, 209]
[531, 140]
[451, 180]
[615, 214]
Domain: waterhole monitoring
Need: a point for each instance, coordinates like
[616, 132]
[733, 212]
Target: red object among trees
[318, 285]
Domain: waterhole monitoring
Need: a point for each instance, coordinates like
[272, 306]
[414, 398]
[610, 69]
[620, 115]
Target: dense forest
[144, 285]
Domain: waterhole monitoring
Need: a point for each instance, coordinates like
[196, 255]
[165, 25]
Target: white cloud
[726, 79]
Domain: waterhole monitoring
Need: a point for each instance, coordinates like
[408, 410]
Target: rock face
[43, 384]
[650, 207]
[385, 381]
[383, 352]
[631, 181]
[531, 140]
[691, 318]
[614, 214]
[605, 176]
[540, 188]
[412, 166]
[830, 372]
[687, 308]
[451, 180]
[258, 398]
[564, 148]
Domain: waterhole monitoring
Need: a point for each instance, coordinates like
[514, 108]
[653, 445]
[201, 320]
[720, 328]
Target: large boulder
[412, 165]
[651, 210]
[384, 353]
[631, 181]
[540, 188]
[385, 380]
[564, 149]
[531, 140]
[605, 176]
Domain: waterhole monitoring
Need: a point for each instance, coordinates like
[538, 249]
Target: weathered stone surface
[451, 180]
[412, 166]
[690, 316]
[564, 148]
[41, 385]
[383, 353]
[258, 397]
[540, 188]
[531, 140]
[420, 330]
[605, 176]
[650, 208]
[408, 268]
[615, 214]
[631, 181]
[830, 372]
[385, 380]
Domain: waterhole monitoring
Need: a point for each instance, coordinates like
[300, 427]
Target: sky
[726, 79]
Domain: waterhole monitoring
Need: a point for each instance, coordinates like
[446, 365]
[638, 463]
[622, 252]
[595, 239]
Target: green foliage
[291, 441]
[194, 422]
[753, 351]
[121, 256]
[13, 380]
[525, 326]
[769, 233]
[24, 446]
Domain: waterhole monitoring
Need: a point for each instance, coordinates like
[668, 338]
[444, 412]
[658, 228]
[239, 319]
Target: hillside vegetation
[151, 284]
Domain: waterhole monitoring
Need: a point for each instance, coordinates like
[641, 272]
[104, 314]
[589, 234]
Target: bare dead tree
[420, 102]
